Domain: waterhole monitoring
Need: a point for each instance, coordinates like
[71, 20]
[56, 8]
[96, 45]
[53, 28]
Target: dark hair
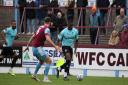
[70, 24]
[47, 19]
[13, 20]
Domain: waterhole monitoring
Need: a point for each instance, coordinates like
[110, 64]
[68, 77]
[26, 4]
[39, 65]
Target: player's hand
[26, 49]
[58, 48]
[4, 43]
[16, 37]
[75, 51]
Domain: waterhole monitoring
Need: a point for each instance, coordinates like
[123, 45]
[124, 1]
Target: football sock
[37, 68]
[65, 74]
[14, 62]
[47, 67]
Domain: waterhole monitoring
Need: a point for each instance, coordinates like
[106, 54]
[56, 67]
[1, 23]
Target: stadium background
[116, 72]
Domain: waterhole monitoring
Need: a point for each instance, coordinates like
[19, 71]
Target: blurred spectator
[38, 4]
[70, 11]
[22, 5]
[53, 28]
[118, 4]
[124, 36]
[42, 10]
[82, 3]
[46, 4]
[103, 5]
[127, 7]
[114, 38]
[94, 20]
[61, 21]
[120, 21]
[30, 15]
[54, 3]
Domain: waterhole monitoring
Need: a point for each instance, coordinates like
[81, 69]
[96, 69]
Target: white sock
[65, 74]
[58, 68]
[11, 69]
[45, 77]
[35, 75]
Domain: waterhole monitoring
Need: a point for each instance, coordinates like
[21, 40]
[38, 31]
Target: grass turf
[22, 79]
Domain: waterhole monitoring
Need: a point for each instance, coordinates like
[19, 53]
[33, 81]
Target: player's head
[47, 20]
[70, 25]
[13, 24]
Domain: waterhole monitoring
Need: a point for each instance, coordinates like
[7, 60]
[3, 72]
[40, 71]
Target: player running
[8, 35]
[67, 37]
[37, 40]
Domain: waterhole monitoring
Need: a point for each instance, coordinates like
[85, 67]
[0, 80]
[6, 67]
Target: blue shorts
[39, 53]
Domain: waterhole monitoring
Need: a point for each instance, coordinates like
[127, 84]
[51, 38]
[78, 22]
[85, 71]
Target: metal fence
[8, 13]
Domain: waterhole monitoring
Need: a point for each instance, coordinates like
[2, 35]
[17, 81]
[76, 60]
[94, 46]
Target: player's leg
[67, 52]
[38, 66]
[58, 69]
[67, 65]
[47, 67]
[1, 57]
[15, 57]
[34, 76]
[42, 56]
[68, 57]
[8, 52]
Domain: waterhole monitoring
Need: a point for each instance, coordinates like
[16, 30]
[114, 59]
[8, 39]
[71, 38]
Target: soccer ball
[80, 77]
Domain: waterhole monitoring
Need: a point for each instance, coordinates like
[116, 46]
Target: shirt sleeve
[77, 34]
[60, 36]
[5, 30]
[47, 31]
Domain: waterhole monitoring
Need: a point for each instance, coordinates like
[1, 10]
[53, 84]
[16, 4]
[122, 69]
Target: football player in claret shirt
[37, 41]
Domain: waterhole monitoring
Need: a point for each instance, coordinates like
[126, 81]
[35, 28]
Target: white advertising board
[31, 61]
[88, 58]
[101, 58]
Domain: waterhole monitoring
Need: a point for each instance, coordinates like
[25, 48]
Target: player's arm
[76, 45]
[16, 37]
[59, 43]
[48, 38]
[3, 36]
[76, 42]
[52, 43]
[29, 42]
[60, 38]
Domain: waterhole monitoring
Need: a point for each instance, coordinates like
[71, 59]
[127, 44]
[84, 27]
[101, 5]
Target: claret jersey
[39, 37]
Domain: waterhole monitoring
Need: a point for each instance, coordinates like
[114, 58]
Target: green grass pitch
[22, 79]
